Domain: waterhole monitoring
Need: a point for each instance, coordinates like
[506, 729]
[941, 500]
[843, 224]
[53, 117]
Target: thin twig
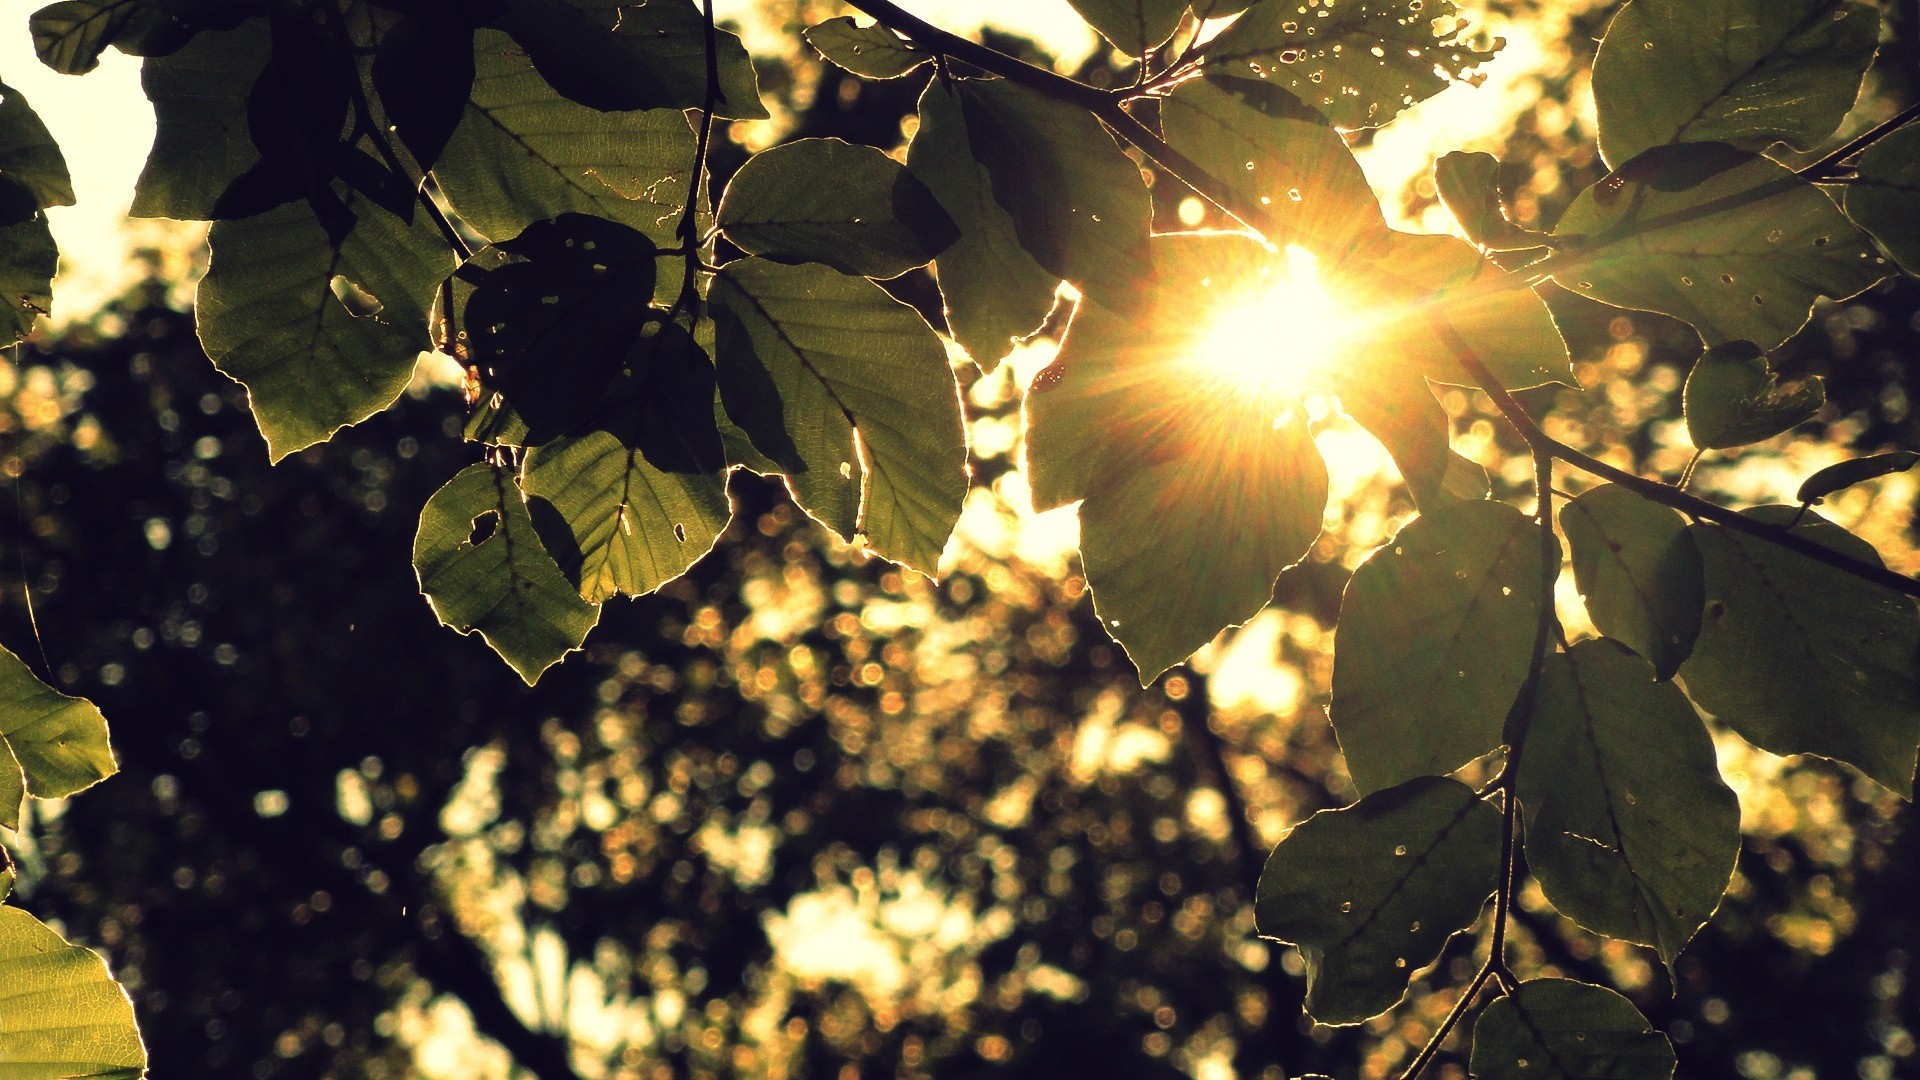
[1459, 1010]
[689, 228]
[1832, 167]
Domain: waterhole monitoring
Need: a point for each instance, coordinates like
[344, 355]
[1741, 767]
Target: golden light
[1277, 336]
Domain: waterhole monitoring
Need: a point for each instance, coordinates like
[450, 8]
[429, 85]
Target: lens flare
[1281, 338]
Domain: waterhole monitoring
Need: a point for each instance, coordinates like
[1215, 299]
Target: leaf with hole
[1731, 242]
[1638, 572]
[1746, 72]
[1732, 398]
[827, 201]
[1630, 830]
[1371, 892]
[1435, 638]
[61, 1013]
[1804, 658]
[1845, 474]
[1558, 1029]
[850, 392]
[872, 51]
[1884, 197]
[51, 745]
[482, 568]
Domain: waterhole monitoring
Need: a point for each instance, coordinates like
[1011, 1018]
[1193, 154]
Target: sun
[1282, 337]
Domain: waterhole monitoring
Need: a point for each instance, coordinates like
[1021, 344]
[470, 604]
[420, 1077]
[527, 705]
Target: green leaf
[1469, 185]
[1730, 242]
[28, 260]
[1803, 658]
[1404, 415]
[1372, 892]
[28, 153]
[323, 334]
[872, 52]
[1270, 148]
[1884, 197]
[850, 392]
[1133, 26]
[1630, 829]
[1638, 572]
[994, 292]
[70, 36]
[1732, 398]
[1558, 1029]
[482, 568]
[640, 495]
[613, 56]
[1435, 637]
[1078, 203]
[827, 201]
[522, 154]
[1747, 72]
[1360, 64]
[203, 142]
[1845, 474]
[1181, 460]
[61, 1013]
[50, 744]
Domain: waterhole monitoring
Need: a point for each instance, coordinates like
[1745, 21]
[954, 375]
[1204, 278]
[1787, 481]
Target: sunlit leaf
[1078, 204]
[872, 51]
[28, 260]
[1558, 1029]
[274, 313]
[610, 56]
[1732, 398]
[1747, 72]
[1803, 658]
[482, 568]
[28, 154]
[70, 36]
[827, 201]
[1410, 423]
[1845, 474]
[1630, 829]
[1885, 197]
[994, 292]
[1435, 637]
[1371, 893]
[56, 744]
[1731, 242]
[61, 1013]
[1638, 571]
[1133, 26]
[850, 392]
[202, 144]
[1360, 63]
[1469, 185]
[1265, 144]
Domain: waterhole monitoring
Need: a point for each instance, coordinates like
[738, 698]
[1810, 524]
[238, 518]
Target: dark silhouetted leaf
[1733, 243]
[850, 392]
[423, 72]
[823, 200]
[1630, 829]
[1747, 72]
[1885, 197]
[51, 746]
[1437, 625]
[61, 1013]
[1361, 64]
[1372, 892]
[1558, 1029]
[873, 52]
[1803, 658]
[1638, 573]
[1859, 470]
[482, 568]
[995, 293]
[1733, 399]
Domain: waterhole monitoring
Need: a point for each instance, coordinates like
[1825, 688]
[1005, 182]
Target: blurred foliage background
[802, 814]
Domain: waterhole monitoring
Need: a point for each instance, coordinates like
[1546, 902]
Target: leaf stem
[1452, 1020]
[1832, 167]
[689, 228]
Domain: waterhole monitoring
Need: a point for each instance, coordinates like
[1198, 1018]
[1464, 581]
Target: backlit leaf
[1731, 242]
[51, 744]
[1371, 893]
[610, 56]
[1885, 197]
[482, 568]
[1469, 185]
[1732, 398]
[1435, 637]
[1746, 72]
[1133, 26]
[28, 154]
[823, 200]
[1845, 474]
[1803, 658]
[61, 1013]
[1630, 829]
[1558, 1029]
[28, 259]
[850, 392]
[1359, 62]
[1410, 423]
[200, 102]
[1638, 571]
[872, 51]
[994, 292]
